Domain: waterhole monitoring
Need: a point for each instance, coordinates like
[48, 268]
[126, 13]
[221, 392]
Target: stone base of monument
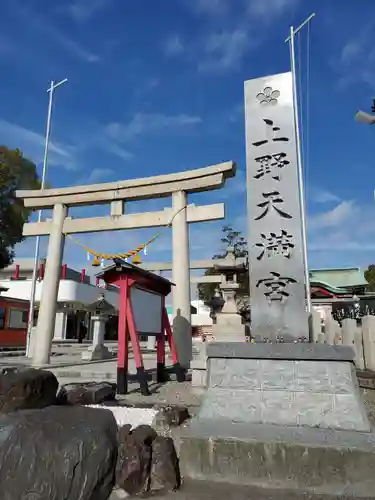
[282, 416]
[199, 372]
[96, 353]
[198, 367]
[228, 328]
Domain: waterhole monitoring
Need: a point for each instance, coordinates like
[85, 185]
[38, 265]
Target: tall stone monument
[280, 412]
[277, 287]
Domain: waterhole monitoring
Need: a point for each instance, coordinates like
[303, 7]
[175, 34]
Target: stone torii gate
[177, 185]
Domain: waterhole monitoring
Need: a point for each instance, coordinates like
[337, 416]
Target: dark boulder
[26, 388]
[133, 464]
[89, 393]
[124, 432]
[58, 453]
[165, 471]
[144, 434]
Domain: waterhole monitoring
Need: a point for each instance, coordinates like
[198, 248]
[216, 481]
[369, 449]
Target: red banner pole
[123, 339]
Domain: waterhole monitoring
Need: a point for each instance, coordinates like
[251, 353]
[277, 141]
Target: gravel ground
[132, 416]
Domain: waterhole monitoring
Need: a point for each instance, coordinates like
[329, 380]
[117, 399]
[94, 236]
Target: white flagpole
[30, 322]
[301, 193]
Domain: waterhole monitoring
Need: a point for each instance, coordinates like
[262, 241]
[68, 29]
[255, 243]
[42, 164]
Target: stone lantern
[100, 310]
[229, 326]
[215, 304]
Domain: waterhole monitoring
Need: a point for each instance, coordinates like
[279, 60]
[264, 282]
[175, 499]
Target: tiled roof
[339, 278]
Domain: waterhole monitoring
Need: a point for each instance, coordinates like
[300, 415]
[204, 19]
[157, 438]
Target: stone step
[205, 490]
[318, 461]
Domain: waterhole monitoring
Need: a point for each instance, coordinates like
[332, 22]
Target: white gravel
[132, 416]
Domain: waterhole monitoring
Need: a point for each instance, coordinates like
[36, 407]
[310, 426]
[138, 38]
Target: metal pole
[299, 163]
[300, 27]
[30, 322]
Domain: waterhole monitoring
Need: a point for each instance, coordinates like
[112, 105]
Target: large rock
[58, 453]
[144, 434]
[89, 393]
[165, 471]
[133, 463]
[124, 432]
[26, 388]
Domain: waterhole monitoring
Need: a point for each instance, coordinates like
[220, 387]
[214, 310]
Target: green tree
[370, 277]
[230, 238]
[16, 172]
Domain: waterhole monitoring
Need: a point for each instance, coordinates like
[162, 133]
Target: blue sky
[156, 86]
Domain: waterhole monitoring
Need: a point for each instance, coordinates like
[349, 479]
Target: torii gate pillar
[47, 314]
[181, 278]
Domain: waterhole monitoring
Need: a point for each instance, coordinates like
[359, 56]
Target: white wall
[60, 325]
[69, 291]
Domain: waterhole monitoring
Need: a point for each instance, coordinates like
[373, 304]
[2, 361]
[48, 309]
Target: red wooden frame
[12, 337]
[126, 276]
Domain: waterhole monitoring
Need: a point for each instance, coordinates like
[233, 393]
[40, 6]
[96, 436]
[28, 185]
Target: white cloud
[320, 195]
[99, 174]
[116, 150]
[359, 45]
[31, 144]
[73, 47]
[209, 7]
[173, 46]
[144, 123]
[350, 51]
[334, 218]
[346, 229]
[224, 50]
[83, 10]
[94, 136]
[269, 9]
[265, 9]
[42, 25]
[355, 61]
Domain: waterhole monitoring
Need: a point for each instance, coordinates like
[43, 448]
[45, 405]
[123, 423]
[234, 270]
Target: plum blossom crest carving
[268, 96]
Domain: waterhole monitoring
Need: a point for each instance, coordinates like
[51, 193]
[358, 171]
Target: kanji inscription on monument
[277, 287]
